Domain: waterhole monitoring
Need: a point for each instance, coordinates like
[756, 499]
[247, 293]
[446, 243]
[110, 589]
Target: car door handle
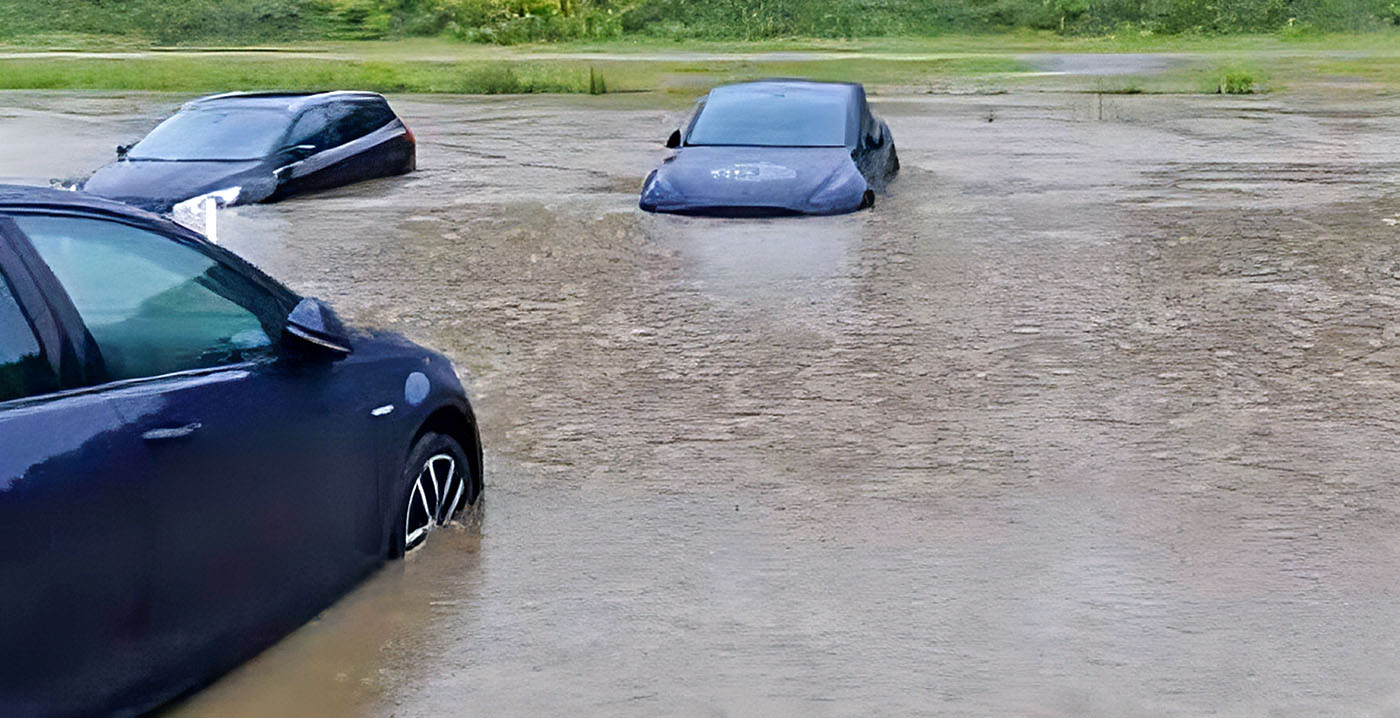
[171, 433]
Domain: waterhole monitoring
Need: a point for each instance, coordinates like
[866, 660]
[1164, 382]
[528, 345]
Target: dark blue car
[193, 459]
[775, 147]
[259, 147]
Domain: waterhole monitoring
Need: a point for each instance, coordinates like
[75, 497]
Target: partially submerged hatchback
[193, 459]
[775, 147]
[241, 148]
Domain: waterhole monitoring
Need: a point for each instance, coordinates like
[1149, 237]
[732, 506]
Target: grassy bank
[266, 71]
[383, 72]
[960, 63]
[998, 43]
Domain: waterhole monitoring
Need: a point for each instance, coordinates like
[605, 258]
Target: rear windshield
[215, 134]
[771, 119]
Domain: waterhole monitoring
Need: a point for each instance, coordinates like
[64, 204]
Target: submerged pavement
[1093, 414]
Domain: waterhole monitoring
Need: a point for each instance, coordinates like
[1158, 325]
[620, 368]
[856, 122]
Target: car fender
[443, 408]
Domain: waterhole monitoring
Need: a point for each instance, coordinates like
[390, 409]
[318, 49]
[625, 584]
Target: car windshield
[214, 134]
[771, 119]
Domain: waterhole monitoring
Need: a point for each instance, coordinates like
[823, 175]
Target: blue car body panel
[141, 560]
[837, 172]
[821, 180]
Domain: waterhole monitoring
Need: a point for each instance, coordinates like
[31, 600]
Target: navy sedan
[193, 459]
[254, 147]
[775, 147]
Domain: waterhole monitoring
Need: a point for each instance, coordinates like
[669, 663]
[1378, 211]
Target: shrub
[1235, 82]
[517, 21]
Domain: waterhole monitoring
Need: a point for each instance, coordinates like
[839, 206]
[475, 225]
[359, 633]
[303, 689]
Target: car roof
[848, 91]
[850, 94]
[286, 101]
[27, 197]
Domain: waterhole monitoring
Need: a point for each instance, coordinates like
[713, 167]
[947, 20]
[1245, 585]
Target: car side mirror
[122, 150]
[314, 325]
[674, 140]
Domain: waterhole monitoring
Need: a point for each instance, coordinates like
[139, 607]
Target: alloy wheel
[433, 499]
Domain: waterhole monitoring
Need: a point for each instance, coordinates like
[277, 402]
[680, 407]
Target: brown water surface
[1093, 414]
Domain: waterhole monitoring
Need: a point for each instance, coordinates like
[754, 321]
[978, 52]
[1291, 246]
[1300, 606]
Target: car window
[364, 117]
[312, 127]
[770, 119]
[23, 369]
[214, 134]
[332, 125]
[154, 305]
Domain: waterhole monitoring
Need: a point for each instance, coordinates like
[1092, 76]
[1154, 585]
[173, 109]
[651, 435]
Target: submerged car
[193, 459]
[255, 147]
[775, 147]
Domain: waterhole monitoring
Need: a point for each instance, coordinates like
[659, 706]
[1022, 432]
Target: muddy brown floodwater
[1094, 414]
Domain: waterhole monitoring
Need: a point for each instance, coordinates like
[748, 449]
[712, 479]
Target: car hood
[158, 185]
[809, 180]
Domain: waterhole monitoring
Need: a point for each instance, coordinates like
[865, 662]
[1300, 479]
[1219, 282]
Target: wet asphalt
[1093, 414]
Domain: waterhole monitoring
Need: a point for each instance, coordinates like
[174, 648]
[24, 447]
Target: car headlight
[656, 190]
[201, 213]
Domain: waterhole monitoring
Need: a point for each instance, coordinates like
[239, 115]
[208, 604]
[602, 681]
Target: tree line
[516, 21]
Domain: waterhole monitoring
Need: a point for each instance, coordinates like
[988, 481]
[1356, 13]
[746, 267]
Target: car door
[258, 464]
[75, 518]
[350, 140]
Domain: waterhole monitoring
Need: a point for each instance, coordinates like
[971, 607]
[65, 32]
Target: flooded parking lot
[1093, 414]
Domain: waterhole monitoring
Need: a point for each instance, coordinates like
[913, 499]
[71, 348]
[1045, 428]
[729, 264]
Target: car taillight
[409, 134]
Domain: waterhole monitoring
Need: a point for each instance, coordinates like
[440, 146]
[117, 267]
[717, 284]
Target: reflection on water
[757, 258]
[335, 664]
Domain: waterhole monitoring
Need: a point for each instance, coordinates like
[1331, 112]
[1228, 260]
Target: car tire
[436, 484]
[867, 200]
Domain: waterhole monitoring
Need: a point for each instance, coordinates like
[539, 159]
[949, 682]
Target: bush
[1236, 82]
[494, 80]
[517, 21]
[761, 19]
[169, 22]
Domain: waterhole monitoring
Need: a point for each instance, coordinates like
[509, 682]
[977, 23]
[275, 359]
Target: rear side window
[362, 118]
[314, 128]
[334, 124]
[153, 305]
[23, 369]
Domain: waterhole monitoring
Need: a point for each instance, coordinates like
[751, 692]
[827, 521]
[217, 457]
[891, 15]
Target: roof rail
[295, 100]
[302, 102]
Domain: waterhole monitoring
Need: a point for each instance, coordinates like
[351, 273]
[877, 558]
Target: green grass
[212, 72]
[218, 73]
[1009, 43]
[987, 63]
[1235, 81]
[1379, 71]
[149, 22]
